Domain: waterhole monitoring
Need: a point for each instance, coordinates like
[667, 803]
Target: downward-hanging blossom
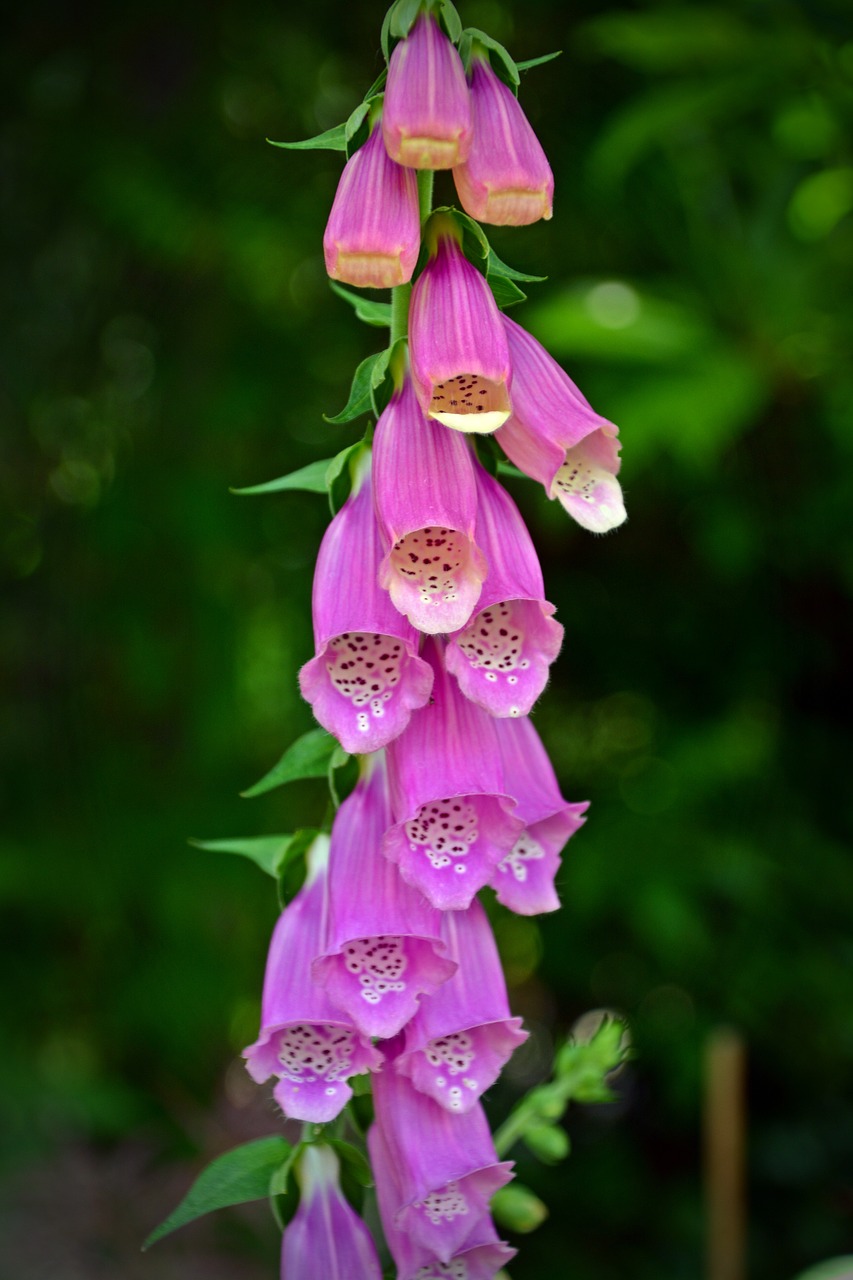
[524, 878]
[444, 1169]
[555, 436]
[426, 121]
[506, 180]
[459, 1039]
[426, 505]
[479, 1257]
[459, 351]
[366, 678]
[326, 1236]
[373, 234]
[383, 947]
[453, 814]
[502, 657]
[305, 1040]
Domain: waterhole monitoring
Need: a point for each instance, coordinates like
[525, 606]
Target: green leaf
[450, 20]
[502, 61]
[402, 19]
[537, 62]
[283, 1191]
[367, 376]
[233, 1178]
[332, 140]
[376, 313]
[267, 852]
[307, 757]
[310, 479]
[357, 126]
[355, 1160]
[506, 292]
[495, 267]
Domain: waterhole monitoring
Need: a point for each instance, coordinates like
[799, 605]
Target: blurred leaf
[332, 140]
[820, 202]
[307, 757]
[663, 41]
[233, 1178]
[375, 313]
[265, 851]
[615, 321]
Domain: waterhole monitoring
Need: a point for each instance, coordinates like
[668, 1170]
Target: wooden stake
[724, 1147]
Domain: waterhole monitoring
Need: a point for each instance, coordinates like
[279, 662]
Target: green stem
[425, 181]
[400, 296]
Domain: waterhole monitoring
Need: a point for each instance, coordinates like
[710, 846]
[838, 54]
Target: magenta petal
[445, 1169]
[506, 180]
[459, 1039]
[556, 437]
[426, 115]
[524, 879]
[304, 1038]
[383, 945]
[453, 819]
[426, 505]
[367, 677]
[502, 657]
[325, 1229]
[459, 351]
[373, 235]
[480, 1256]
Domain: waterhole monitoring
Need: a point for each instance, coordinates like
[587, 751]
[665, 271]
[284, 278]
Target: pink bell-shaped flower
[304, 1039]
[444, 1169]
[524, 879]
[453, 818]
[366, 678]
[426, 117]
[506, 180]
[383, 946]
[373, 235]
[478, 1258]
[557, 438]
[459, 1039]
[426, 505]
[326, 1237]
[459, 351]
[502, 657]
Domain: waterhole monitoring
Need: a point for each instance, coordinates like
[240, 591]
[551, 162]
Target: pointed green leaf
[307, 757]
[506, 292]
[368, 375]
[376, 313]
[537, 62]
[332, 140]
[233, 1178]
[502, 61]
[267, 852]
[310, 479]
[495, 267]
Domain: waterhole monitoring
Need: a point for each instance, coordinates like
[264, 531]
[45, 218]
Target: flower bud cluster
[433, 640]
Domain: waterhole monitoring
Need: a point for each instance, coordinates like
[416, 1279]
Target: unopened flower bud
[426, 120]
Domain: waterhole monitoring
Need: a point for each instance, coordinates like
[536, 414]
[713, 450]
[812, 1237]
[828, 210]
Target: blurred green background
[168, 332]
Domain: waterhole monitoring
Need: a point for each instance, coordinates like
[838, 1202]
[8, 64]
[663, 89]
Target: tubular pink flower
[506, 180]
[479, 1258]
[453, 818]
[326, 1236]
[524, 879]
[304, 1039]
[373, 235]
[460, 1038]
[459, 352]
[366, 678]
[426, 117]
[384, 947]
[426, 504]
[443, 1168]
[555, 436]
[501, 658]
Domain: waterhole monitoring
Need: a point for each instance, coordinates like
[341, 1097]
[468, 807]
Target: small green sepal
[503, 64]
[236, 1177]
